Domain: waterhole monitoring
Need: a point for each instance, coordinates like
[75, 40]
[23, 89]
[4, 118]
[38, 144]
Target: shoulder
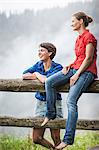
[89, 35]
[54, 64]
[39, 63]
[90, 38]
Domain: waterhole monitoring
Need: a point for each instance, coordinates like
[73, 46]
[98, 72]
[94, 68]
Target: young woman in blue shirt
[41, 71]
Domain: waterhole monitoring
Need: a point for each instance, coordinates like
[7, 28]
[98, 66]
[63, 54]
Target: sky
[18, 6]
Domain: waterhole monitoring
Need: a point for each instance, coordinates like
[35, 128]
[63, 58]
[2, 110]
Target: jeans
[75, 92]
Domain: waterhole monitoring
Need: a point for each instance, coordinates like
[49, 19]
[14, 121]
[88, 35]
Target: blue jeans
[75, 92]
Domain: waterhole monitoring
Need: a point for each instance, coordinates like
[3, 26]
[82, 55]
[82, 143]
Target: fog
[20, 35]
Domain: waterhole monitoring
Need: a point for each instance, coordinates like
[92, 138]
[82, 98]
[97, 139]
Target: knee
[71, 105]
[48, 82]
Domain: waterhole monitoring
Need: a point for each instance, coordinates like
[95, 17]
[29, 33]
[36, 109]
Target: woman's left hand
[65, 70]
[29, 76]
[73, 79]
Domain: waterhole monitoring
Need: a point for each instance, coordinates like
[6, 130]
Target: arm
[29, 73]
[54, 70]
[85, 64]
[31, 69]
[29, 76]
[40, 77]
[34, 76]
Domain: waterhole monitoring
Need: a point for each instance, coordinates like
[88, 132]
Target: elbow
[90, 60]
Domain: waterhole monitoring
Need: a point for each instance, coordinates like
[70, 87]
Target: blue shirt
[39, 67]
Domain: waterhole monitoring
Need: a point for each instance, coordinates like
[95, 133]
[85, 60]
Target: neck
[47, 64]
[81, 30]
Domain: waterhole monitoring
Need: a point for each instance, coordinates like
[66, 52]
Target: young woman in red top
[80, 74]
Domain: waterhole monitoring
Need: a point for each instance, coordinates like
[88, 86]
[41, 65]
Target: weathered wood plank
[19, 85]
[57, 123]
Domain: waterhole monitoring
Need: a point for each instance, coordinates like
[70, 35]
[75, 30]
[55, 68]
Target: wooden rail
[19, 85]
[56, 123]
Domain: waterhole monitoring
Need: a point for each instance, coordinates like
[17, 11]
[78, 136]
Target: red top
[80, 51]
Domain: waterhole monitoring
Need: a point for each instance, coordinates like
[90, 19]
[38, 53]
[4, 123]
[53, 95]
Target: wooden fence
[19, 85]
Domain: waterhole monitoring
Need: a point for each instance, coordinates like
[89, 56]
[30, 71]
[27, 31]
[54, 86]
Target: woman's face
[43, 54]
[76, 24]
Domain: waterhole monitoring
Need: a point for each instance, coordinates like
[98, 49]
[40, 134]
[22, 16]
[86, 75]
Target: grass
[83, 141]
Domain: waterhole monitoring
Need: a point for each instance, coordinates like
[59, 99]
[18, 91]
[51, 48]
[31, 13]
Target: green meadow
[83, 141]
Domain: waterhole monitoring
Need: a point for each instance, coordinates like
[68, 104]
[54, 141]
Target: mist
[20, 36]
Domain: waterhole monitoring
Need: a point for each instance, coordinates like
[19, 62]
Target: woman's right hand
[65, 70]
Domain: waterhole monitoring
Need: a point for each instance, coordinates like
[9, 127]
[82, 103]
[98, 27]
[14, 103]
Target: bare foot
[45, 122]
[61, 146]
